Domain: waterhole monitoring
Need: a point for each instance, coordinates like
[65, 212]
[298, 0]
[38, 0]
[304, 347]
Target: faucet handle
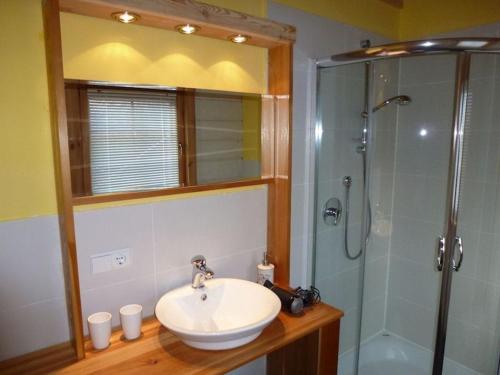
[209, 274]
[199, 261]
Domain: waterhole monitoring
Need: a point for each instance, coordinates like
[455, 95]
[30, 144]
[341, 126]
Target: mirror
[126, 138]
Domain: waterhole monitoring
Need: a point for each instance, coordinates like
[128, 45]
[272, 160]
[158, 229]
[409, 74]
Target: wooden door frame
[216, 23]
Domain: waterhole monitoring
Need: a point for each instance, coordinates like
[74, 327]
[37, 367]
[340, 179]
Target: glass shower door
[394, 283]
[409, 177]
[473, 334]
[341, 97]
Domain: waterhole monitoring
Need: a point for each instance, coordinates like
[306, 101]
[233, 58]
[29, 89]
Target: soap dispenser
[265, 271]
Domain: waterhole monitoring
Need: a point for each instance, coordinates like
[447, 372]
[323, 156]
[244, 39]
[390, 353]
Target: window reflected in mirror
[126, 138]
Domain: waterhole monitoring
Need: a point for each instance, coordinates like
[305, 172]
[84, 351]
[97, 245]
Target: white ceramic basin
[225, 314]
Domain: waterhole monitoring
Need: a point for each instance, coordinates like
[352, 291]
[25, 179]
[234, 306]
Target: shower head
[400, 100]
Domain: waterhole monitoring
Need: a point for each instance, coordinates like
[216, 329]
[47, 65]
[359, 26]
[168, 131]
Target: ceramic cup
[100, 329]
[131, 319]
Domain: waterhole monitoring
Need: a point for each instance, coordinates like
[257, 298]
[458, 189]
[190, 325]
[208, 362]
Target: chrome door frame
[453, 204]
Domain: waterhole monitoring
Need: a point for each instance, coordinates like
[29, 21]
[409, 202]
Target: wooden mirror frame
[216, 23]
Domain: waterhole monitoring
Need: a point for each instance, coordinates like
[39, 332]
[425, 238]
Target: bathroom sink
[224, 314]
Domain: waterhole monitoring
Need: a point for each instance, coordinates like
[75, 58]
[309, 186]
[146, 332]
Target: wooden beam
[190, 126]
[395, 3]
[52, 32]
[279, 199]
[181, 137]
[328, 354]
[299, 357]
[42, 361]
[187, 136]
[306, 344]
[214, 22]
[116, 197]
[158, 351]
[316, 353]
[267, 138]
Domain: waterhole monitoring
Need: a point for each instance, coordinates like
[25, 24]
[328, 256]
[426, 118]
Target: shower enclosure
[407, 205]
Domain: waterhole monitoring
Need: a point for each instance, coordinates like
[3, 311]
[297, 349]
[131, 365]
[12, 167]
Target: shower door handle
[440, 253]
[457, 244]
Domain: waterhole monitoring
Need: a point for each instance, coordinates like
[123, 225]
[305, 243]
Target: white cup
[100, 329]
[131, 319]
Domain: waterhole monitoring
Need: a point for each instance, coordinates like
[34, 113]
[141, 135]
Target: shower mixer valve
[332, 212]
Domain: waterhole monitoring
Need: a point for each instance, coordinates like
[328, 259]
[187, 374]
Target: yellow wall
[427, 17]
[372, 15]
[26, 172]
[27, 185]
[97, 49]
[251, 106]
[418, 18]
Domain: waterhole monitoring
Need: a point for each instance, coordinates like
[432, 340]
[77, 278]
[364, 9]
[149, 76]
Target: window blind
[133, 140]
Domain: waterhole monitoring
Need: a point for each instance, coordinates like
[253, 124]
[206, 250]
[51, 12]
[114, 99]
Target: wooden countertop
[158, 351]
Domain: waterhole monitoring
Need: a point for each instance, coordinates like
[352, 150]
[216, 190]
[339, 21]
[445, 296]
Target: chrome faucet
[200, 271]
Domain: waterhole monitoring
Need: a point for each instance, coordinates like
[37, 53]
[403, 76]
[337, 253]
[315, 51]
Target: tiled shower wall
[408, 192]
[416, 144]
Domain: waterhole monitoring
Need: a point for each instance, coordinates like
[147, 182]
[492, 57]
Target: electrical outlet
[120, 258]
[113, 260]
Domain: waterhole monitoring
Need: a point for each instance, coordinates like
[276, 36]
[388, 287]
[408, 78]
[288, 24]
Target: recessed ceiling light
[239, 39]
[187, 29]
[125, 17]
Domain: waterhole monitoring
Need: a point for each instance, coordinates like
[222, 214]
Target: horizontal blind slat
[133, 140]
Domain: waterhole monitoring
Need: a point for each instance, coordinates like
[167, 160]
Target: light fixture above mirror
[187, 28]
[125, 16]
[239, 38]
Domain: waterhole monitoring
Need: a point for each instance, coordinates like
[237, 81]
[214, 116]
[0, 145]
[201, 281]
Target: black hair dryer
[290, 302]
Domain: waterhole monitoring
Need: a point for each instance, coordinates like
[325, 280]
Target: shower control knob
[332, 212]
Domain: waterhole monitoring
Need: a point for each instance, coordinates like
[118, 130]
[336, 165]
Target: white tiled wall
[33, 310]
[229, 228]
